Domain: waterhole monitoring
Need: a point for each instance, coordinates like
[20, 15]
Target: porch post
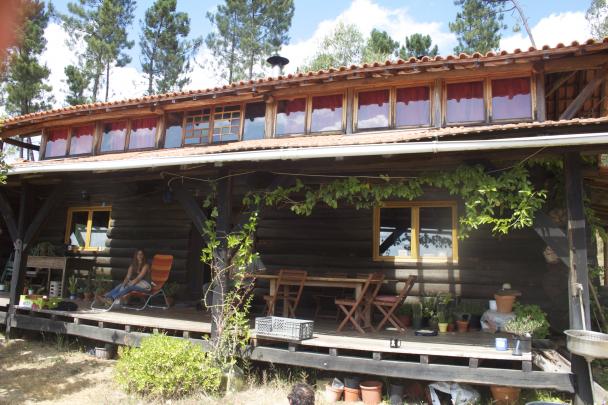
[224, 213]
[578, 276]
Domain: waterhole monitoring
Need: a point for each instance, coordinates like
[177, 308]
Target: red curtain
[467, 91]
[58, 134]
[292, 106]
[377, 97]
[411, 94]
[327, 102]
[149, 123]
[510, 87]
[82, 140]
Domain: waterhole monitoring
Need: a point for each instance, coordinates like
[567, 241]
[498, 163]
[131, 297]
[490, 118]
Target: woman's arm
[141, 274]
[128, 276]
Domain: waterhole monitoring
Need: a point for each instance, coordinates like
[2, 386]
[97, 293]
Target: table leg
[367, 310]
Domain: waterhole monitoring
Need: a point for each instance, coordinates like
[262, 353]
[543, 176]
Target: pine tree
[78, 80]
[225, 41]
[102, 24]
[165, 50]
[25, 86]
[597, 16]
[417, 46]
[379, 47]
[342, 47]
[477, 26]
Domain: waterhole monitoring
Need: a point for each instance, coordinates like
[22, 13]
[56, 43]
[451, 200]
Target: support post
[578, 284]
[224, 213]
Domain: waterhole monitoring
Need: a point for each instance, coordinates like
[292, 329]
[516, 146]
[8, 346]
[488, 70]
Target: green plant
[43, 249]
[429, 307]
[405, 310]
[417, 311]
[72, 285]
[171, 289]
[442, 317]
[529, 320]
[166, 367]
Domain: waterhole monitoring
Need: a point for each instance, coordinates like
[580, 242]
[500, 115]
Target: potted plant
[417, 315]
[429, 306]
[404, 314]
[462, 323]
[505, 298]
[530, 322]
[73, 286]
[442, 321]
[171, 290]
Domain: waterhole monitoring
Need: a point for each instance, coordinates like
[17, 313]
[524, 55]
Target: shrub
[166, 367]
[529, 318]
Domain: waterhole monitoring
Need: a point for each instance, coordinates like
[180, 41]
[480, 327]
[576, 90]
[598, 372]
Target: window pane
[413, 106]
[197, 127]
[435, 232]
[465, 102]
[173, 134]
[291, 116]
[78, 230]
[395, 232]
[226, 123]
[373, 109]
[57, 142]
[82, 140]
[114, 136]
[511, 98]
[99, 229]
[143, 133]
[255, 122]
[326, 113]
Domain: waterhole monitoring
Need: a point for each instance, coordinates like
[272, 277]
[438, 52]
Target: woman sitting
[137, 279]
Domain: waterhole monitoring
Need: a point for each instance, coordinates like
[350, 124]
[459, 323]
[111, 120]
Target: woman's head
[139, 257]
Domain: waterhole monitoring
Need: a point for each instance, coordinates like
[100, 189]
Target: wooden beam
[584, 95]
[553, 236]
[21, 144]
[578, 287]
[541, 104]
[42, 214]
[9, 216]
[559, 83]
[223, 228]
[193, 208]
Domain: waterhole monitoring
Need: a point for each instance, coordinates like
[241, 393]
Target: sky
[552, 21]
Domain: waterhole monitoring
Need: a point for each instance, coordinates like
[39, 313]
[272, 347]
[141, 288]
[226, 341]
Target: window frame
[90, 211]
[532, 99]
[71, 133]
[45, 138]
[415, 221]
[485, 98]
[211, 123]
[308, 114]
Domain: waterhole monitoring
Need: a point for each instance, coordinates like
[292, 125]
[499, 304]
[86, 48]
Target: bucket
[371, 392]
[504, 303]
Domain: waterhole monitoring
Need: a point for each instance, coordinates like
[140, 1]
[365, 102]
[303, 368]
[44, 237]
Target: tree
[78, 80]
[500, 6]
[380, 46]
[102, 25]
[418, 45]
[246, 32]
[342, 47]
[25, 81]
[597, 16]
[477, 26]
[165, 50]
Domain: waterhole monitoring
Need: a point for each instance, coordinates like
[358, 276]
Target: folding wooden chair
[289, 289]
[354, 308]
[387, 304]
[159, 273]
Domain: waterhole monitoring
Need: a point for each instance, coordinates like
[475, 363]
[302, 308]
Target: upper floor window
[113, 136]
[81, 141]
[312, 114]
[373, 109]
[226, 123]
[465, 102]
[173, 131]
[143, 133]
[197, 125]
[511, 98]
[327, 113]
[291, 117]
[413, 106]
[217, 124]
[56, 142]
[255, 121]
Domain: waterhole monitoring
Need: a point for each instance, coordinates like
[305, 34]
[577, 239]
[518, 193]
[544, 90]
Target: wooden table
[62, 263]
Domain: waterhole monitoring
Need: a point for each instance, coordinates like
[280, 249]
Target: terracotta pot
[505, 395]
[463, 326]
[333, 394]
[371, 392]
[406, 320]
[443, 327]
[352, 394]
[451, 327]
[504, 303]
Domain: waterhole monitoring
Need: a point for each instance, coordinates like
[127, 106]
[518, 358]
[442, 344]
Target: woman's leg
[127, 290]
[115, 292]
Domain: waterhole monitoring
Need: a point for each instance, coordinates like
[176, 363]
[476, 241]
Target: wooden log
[148, 244]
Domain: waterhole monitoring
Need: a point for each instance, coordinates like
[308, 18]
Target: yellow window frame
[90, 211]
[415, 220]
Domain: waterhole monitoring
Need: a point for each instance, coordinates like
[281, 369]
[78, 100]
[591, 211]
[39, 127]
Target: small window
[419, 231]
[226, 123]
[511, 99]
[173, 134]
[373, 109]
[87, 228]
[465, 102]
[56, 142]
[81, 141]
[255, 121]
[114, 136]
[413, 107]
[291, 117]
[197, 127]
[326, 113]
[143, 133]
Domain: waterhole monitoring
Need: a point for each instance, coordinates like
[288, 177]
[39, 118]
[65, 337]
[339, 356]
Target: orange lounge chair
[159, 273]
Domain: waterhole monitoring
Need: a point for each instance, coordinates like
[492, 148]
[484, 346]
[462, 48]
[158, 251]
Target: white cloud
[563, 27]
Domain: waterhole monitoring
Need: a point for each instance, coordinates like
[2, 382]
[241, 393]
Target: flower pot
[371, 392]
[352, 382]
[451, 327]
[443, 327]
[504, 303]
[333, 394]
[396, 394]
[505, 395]
[433, 324]
[463, 326]
[405, 320]
[352, 394]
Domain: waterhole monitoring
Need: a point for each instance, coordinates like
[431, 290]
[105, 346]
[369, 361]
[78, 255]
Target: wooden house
[119, 175]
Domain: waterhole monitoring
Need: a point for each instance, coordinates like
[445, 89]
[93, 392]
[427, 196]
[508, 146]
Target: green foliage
[477, 26]
[405, 309]
[72, 284]
[529, 319]
[165, 49]
[78, 80]
[597, 17]
[166, 367]
[102, 25]
[379, 47]
[342, 47]
[26, 85]
[417, 46]
[246, 32]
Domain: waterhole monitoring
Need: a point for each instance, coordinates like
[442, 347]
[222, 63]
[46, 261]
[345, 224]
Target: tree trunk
[524, 20]
[107, 79]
